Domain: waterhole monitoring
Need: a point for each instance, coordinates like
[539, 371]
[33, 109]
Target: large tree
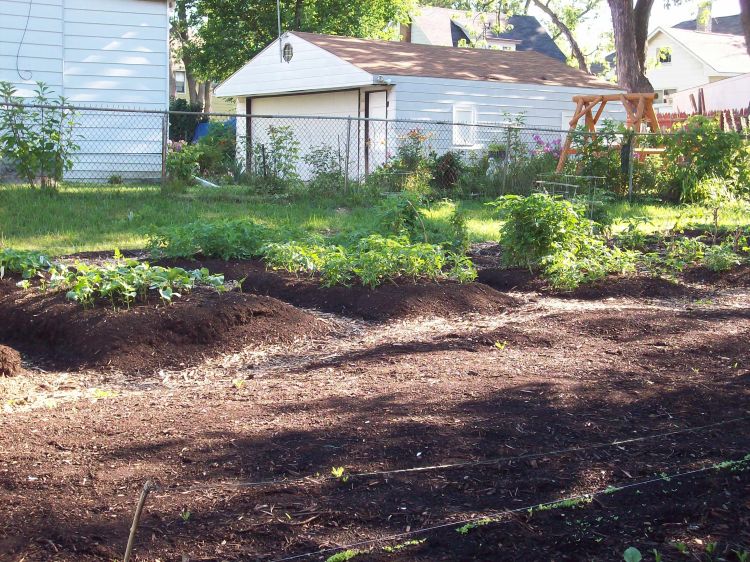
[227, 33]
[630, 25]
[745, 17]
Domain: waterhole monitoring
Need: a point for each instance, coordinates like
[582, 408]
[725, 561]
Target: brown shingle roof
[409, 59]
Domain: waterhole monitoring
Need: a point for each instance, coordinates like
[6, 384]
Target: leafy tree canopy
[225, 34]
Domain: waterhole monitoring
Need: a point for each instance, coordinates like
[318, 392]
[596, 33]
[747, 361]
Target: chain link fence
[274, 152]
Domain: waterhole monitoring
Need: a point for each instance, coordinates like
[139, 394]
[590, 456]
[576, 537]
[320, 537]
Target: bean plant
[27, 263]
[127, 281]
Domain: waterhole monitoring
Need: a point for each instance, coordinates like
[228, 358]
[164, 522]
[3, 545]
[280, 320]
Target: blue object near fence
[202, 129]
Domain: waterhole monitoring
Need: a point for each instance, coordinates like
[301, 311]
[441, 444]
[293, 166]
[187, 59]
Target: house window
[664, 55]
[464, 130]
[179, 81]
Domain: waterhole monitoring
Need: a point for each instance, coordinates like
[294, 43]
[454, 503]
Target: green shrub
[235, 239]
[182, 126]
[217, 151]
[274, 162]
[39, 143]
[709, 190]
[588, 261]
[721, 257]
[447, 170]
[537, 226]
[182, 165]
[700, 149]
[327, 170]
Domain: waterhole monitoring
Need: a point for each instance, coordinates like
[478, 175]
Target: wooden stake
[147, 487]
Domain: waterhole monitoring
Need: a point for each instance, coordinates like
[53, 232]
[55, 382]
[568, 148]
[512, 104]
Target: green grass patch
[96, 218]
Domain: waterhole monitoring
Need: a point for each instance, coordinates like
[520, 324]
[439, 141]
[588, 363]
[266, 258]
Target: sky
[591, 29]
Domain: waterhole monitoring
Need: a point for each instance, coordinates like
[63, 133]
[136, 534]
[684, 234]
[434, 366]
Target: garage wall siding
[311, 68]
[541, 106]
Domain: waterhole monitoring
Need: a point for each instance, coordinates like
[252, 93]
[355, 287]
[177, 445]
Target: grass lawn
[105, 217]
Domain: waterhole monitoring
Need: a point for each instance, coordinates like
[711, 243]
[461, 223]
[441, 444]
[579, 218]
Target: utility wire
[20, 44]
[494, 517]
[447, 466]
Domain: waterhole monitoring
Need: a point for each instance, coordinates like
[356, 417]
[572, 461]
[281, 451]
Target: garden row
[546, 234]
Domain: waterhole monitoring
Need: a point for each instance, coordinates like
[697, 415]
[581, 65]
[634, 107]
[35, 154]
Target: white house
[414, 86]
[432, 25]
[107, 53]
[681, 59]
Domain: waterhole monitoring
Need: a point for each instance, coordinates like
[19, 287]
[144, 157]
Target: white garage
[363, 97]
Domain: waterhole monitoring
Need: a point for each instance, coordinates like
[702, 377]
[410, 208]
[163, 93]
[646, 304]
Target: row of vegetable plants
[121, 282]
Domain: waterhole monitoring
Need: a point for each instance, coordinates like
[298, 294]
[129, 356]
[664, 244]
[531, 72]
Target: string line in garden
[466, 464]
[496, 516]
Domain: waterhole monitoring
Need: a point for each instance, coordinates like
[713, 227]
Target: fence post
[507, 158]
[348, 150]
[631, 151]
[164, 146]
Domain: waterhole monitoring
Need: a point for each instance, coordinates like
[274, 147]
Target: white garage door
[312, 135]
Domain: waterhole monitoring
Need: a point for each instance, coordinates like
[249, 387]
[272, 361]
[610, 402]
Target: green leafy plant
[632, 554]
[228, 239]
[537, 226]
[327, 171]
[343, 556]
[38, 141]
[25, 262]
[721, 257]
[182, 164]
[125, 281]
[468, 527]
[275, 161]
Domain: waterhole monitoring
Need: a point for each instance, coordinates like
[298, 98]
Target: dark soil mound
[636, 287]
[402, 299]
[735, 277]
[10, 362]
[150, 336]
[513, 279]
[519, 279]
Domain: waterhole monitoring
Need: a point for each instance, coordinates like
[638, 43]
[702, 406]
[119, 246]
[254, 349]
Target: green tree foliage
[228, 33]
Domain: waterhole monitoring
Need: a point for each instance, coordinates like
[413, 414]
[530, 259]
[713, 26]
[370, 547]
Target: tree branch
[565, 30]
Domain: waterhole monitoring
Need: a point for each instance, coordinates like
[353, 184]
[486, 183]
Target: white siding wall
[41, 55]
[106, 53]
[731, 93]
[434, 99]
[311, 68]
[685, 70]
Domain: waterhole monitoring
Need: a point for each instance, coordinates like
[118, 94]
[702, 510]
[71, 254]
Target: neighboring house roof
[443, 26]
[723, 24]
[726, 54]
[410, 59]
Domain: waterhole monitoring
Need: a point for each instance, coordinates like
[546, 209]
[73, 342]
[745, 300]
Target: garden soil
[529, 396]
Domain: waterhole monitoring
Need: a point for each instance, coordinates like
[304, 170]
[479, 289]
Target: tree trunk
[207, 91]
[191, 86]
[565, 30]
[641, 16]
[298, 7]
[630, 75]
[745, 18]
